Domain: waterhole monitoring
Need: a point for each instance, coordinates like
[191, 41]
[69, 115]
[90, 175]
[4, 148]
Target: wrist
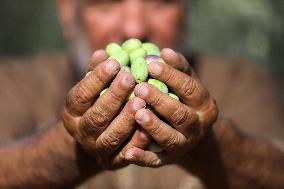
[62, 156]
[84, 162]
[210, 158]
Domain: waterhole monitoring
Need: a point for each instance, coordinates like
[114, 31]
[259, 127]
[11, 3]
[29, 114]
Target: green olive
[131, 44]
[126, 69]
[131, 95]
[151, 49]
[139, 70]
[174, 96]
[88, 73]
[122, 57]
[137, 53]
[159, 85]
[112, 48]
[103, 91]
[154, 147]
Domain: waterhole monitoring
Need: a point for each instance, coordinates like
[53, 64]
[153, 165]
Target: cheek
[165, 27]
[99, 27]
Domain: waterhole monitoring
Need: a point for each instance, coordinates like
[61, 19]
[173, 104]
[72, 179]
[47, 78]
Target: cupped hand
[102, 125]
[181, 124]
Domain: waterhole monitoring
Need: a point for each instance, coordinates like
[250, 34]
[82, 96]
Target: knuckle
[95, 78]
[68, 123]
[69, 98]
[108, 142]
[155, 163]
[156, 101]
[155, 130]
[181, 116]
[209, 114]
[81, 94]
[172, 142]
[170, 75]
[188, 87]
[213, 112]
[87, 130]
[97, 116]
[93, 122]
[115, 96]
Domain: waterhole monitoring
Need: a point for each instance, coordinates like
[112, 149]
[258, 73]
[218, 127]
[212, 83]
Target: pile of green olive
[134, 56]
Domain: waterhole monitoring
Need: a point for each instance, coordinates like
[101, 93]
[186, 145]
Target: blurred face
[105, 21]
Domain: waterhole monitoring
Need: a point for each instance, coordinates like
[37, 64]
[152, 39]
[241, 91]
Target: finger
[182, 117]
[82, 95]
[95, 120]
[177, 60]
[187, 88]
[145, 158]
[70, 122]
[166, 136]
[140, 140]
[98, 57]
[120, 128]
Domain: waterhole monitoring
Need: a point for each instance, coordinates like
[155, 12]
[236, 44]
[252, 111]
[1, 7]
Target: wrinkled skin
[97, 123]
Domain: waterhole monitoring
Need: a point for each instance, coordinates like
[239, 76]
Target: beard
[79, 49]
[79, 52]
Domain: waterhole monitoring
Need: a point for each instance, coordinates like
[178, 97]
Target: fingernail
[137, 104]
[144, 136]
[142, 91]
[97, 53]
[154, 58]
[155, 68]
[111, 67]
[171, 53]
[129, 155]
[121, 71]
[126, 81]
[142, 117]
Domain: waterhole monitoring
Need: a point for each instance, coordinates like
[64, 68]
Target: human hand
[97, 123]
[186, 121]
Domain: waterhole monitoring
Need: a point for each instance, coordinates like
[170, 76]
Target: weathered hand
[186, 121]
[98, 123]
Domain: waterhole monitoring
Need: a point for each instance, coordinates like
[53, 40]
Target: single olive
[139, 70]
[103, 91]
[126, 69]
[151, 49]
[112, 48]
[154, 147]
[159, 85]
[131, 95]
[131, 44]
[174, 96]
[137, 53]
[122, 57]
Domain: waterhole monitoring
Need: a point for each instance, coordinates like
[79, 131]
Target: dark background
[250, 29]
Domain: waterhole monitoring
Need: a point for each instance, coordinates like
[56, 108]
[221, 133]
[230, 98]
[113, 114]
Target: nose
[134, 23]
